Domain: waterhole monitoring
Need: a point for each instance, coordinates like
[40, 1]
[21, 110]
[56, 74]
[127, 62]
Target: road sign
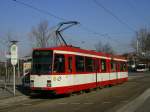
[14, 54]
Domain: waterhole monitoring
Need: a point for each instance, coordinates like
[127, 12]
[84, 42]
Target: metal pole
[14, 81]
[6, 74]
[18, 68]
[137, 46]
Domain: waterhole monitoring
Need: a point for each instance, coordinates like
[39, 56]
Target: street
[108, 99]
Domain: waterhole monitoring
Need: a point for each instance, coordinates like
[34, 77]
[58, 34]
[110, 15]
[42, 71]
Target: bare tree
[141, 42]
[107, 48]
[99, 47]
[41, 34]
[5, 66]
[5, 43]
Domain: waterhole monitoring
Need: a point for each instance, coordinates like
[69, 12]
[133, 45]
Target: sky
[95, 21]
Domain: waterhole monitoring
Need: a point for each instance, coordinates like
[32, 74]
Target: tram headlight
[48, 83]
[31, 83]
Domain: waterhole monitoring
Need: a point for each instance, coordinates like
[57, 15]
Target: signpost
[14, 60]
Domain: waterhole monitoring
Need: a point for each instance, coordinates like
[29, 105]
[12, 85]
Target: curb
[133, 105]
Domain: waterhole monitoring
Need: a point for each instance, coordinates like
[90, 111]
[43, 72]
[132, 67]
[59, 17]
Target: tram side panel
[78, 78]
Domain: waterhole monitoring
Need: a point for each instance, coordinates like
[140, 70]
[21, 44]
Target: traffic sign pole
[14, 81]
[14, 60]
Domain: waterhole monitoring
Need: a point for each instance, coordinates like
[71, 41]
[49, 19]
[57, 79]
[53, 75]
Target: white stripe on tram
[88, 55]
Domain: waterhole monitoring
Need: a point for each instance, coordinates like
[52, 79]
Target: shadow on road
[23, 90]
[42, 95]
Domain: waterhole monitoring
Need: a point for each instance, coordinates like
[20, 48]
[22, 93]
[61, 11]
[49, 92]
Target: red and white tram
[68, 69]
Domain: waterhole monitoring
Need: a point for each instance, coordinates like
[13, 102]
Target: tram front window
[42, 62]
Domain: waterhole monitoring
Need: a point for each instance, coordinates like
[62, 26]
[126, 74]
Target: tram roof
[79, 50]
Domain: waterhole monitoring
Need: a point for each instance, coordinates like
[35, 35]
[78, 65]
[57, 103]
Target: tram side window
[103, 65]
[113, 66]
[79, 63]
[96, 65]
[89, 67]
[59, 63]
[70, 64]
[122, 66]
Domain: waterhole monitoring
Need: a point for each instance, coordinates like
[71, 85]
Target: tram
[68, 69]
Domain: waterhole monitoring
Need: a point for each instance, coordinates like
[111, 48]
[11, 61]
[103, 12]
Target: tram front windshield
[42, 62]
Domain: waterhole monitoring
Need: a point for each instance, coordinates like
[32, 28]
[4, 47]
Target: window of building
[79, 63]
[89, 64]
[103, 65]
[59, 63]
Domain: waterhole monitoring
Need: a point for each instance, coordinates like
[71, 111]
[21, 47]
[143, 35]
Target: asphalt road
[108, 99]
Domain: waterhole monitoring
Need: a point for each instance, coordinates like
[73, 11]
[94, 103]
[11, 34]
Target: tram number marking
[59, 78]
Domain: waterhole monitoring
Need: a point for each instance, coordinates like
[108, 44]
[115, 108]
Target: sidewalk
[145, 107]
[8, 91]
[140, 104]
[7, 97]
[12, 100]
[9, 86]
[6, 94]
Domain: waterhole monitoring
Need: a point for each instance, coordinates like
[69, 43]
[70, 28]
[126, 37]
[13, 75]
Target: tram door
[114, 70]
[70, 64]
[96, 67]
[117, 70]
[70, 71]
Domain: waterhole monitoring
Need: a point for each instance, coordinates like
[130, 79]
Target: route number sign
[14, 54]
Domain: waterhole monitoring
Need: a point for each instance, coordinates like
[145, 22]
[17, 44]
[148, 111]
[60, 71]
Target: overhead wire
[54, 16]
[134, 9]
[103, 35]
[40, 10]
[113, 15]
